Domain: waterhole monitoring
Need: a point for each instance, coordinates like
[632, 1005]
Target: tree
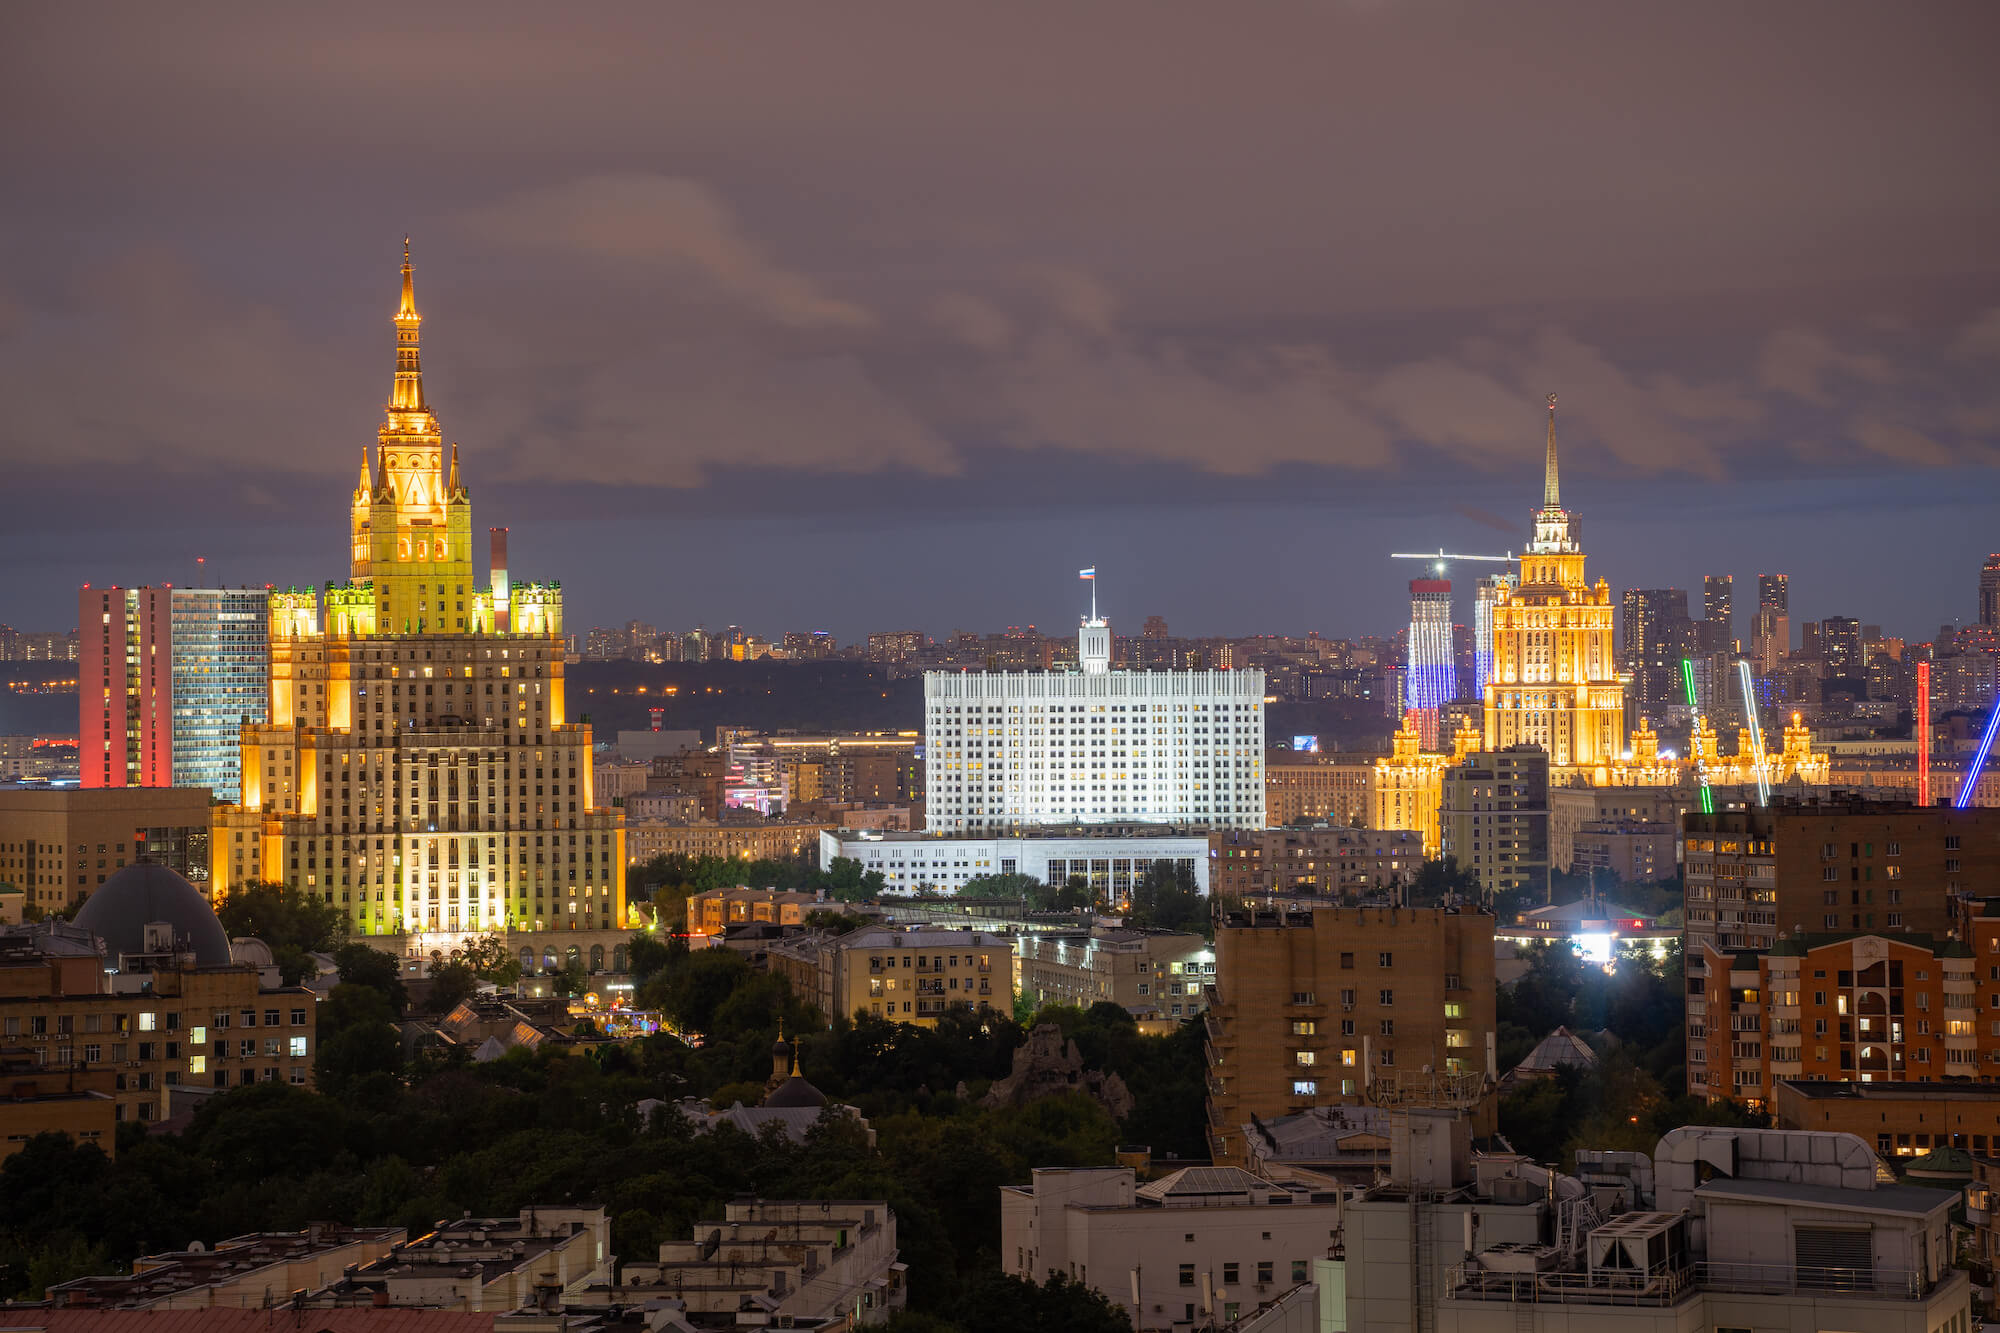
[450, 982]
[1165, 898]
[570, 979]
[362, 965]
[491, 960]
[357, 1037]
[291, 921]
[1000, 886]
[846, 882]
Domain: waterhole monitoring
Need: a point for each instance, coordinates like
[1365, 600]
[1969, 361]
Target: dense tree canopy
[291, 921]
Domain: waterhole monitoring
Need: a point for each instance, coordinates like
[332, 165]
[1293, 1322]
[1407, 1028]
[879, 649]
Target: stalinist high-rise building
[419, 768]
[1555, 679]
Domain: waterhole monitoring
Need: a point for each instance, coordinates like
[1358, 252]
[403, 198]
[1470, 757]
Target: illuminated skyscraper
[1771, 633]
[1492, 588]
[1989, 592]
[167, 680]
[1555, 679]
[1431, 678]
[1718, 613]
[418, 768]
[1657, 635]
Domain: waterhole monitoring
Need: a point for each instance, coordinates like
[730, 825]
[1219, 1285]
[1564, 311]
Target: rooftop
[1854, 1091]
[1902, 1200]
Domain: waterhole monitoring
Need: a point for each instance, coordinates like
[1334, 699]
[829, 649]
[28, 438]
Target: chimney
[500, 586]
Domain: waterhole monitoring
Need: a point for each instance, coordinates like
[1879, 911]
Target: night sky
[876, 316]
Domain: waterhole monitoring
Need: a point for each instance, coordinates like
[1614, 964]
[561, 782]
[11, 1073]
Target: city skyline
[793, 319]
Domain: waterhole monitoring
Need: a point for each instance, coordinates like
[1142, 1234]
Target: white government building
[1112, 861]
[1005, 750]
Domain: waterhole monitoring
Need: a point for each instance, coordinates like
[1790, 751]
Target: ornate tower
[413, 544]
[1554, 681]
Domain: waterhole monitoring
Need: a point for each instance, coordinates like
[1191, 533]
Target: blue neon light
[1979, 759]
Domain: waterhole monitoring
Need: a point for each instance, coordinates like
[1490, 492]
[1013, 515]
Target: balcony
[1668, 1287]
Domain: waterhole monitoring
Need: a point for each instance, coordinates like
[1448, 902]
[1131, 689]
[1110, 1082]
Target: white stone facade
[1047, 748]
[910, 861]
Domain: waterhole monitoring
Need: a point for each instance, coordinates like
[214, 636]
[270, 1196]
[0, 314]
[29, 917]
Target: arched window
[618, 958]
[527, 962]
[596, 958]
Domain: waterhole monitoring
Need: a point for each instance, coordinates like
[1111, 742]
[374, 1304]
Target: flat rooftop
[1901, 1200]
[1851, 1090]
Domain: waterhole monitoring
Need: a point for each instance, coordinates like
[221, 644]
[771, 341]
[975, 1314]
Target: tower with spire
[1554, 681]
[419, 769]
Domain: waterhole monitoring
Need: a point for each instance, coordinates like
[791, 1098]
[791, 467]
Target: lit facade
[167, 678]
[419, 768]
[1405, 788]
[1111, 861]
[1431, 676]
[1490, 590]
[1096, 746]
[1555, 679]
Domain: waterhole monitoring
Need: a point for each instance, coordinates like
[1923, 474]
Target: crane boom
[1447, 555]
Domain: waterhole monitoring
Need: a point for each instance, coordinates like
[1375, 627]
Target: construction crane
[1442, 558]
[1431, 678]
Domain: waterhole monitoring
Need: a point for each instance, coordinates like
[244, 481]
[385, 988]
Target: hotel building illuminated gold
[419, 769]
[1555, 683]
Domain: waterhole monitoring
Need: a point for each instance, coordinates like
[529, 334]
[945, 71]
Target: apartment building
[746, 840]
[907, 976]
[243, 1272]
[1301, 786]
[1493, 817]
[775, 1263]
[69, 1099]
[1211, 1240]
[1849, 866]
[1340, 1006]
[1325, 860]
[141, 987]
[1158, 973]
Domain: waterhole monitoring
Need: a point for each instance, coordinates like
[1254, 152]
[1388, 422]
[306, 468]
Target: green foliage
[835, 923]
[647, 955]
[361, 965]
[450, 983]
[358, 1037]
[570, 979]
[1165, 898]
[293, 922]
[1000, 886]
[847, 882]
[1440, 883]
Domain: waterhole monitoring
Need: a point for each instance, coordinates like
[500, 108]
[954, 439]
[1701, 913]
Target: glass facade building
[221, 677]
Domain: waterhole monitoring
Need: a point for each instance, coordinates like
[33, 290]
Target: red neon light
[1923, 733]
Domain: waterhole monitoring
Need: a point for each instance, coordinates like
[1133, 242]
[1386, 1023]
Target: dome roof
[120, 910]
[795, 1091]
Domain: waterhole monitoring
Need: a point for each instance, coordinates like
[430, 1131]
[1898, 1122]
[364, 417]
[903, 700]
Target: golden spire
[408, 395]
[362, 485]
[451, 486]
[1551, 487]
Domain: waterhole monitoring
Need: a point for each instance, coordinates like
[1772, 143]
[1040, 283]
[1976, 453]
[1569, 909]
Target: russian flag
[1090, 573]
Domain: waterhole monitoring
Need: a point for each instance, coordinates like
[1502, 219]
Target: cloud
[1797, 361]
[971, 321]
[1980, 340]
[1899, 443]
[647, 220]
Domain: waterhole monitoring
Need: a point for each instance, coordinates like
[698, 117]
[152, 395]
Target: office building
[18, 645]
[1343, 1006]
[143, 985]
[419, 768]
[1657, 636]
[167, 678]
[1556, 682]
[1718, 614]
[1094, 746]
[1201, 1243]
[1430, 675]
[905, 976]
[733, 839]
[1493, 818]
[1159, 974]
[60, 844]
[1110, 859]
[1840, 648]
[1831, 866]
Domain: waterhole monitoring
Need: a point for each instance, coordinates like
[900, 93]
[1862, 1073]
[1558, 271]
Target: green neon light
[1687, 679]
